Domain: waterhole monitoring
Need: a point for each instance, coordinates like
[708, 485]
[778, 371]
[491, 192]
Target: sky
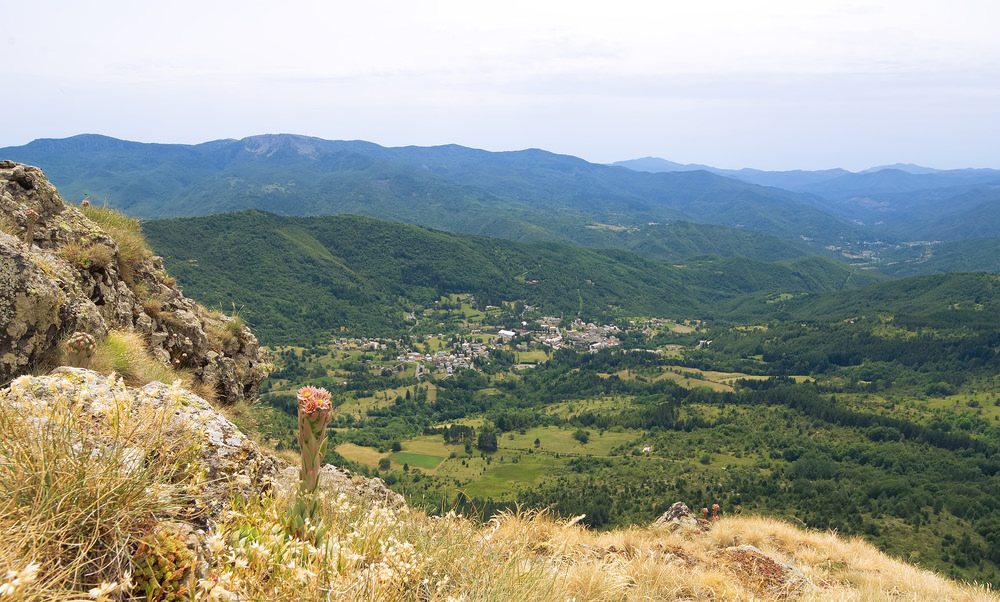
[766, 84]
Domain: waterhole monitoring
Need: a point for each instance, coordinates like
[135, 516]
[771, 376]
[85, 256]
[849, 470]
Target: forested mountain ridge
[536, 196]
[524, 195]
[362, 273]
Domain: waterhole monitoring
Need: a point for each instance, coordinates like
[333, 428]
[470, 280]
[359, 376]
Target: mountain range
[898, 200]
[656, 208]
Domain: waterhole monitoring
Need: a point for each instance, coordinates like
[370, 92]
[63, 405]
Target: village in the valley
[453, 336]
[468, 352]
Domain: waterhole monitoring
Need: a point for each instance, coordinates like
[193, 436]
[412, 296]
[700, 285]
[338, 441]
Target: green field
[419, 460]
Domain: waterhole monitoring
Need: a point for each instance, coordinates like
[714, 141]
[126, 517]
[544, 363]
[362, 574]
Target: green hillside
[969, 255]
[301, 278]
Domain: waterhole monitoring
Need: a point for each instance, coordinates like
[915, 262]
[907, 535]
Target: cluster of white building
[445, 362]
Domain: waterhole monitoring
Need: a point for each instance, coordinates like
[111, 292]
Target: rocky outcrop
[234, 466]
[333, 480]
[677, 517]
[61, 273]
[759, 572]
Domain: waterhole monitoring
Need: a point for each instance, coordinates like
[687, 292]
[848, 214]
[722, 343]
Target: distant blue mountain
[529, 195]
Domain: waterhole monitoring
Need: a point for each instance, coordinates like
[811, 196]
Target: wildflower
[216, 544]
[315, 411]
[313, 399]
[715, 511]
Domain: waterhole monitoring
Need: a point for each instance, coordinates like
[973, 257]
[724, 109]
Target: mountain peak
[267, 145]
[907, 167]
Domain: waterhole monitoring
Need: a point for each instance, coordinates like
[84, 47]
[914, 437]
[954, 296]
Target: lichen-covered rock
[31, 310]
[678, 516]
[235, 467]
[70, 277]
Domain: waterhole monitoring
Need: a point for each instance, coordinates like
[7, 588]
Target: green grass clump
[127, 232]
[126, 353]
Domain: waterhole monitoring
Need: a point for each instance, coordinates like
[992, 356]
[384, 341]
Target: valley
[897, 447]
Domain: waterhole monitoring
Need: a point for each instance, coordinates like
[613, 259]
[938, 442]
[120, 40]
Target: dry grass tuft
[8, 226]
[87, 255]
[370, 553]
[78, 493]
[785, 563]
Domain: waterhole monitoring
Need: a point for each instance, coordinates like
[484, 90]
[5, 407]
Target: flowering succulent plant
[80, 349]
[315, 411]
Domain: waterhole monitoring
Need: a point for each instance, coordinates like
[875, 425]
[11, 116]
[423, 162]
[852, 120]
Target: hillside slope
[365, 275]
[111, 491]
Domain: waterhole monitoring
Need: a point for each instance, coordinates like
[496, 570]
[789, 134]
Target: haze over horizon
[781, 86]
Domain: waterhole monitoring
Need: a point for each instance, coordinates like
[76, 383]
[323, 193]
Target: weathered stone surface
[235, 467]
[31, 308]
[44, 297]
[334, 480]
[678, 516]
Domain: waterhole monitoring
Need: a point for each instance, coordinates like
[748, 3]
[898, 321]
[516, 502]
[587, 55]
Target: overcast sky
[770, 84]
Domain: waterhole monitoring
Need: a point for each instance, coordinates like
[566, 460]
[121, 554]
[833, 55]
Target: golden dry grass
[127, 233]
[127, 354]
[649, 564]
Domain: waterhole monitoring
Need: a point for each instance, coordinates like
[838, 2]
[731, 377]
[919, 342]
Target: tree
[582, 436]
[383, 464]
[487, 440]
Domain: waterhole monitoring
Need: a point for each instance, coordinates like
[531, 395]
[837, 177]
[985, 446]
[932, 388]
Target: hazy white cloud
[781, 84]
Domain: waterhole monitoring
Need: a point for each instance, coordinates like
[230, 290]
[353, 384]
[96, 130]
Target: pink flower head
[313, 399]
[85, 203]
[31, 213]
